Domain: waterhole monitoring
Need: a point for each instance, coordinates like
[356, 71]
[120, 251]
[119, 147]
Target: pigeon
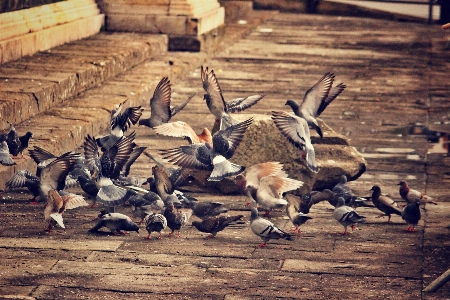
[57, 205]
[296, 130]
[142, 205]
[17, 144]
[24, 178]
[137, 151]
[411, 214]
[212, 157]
[301, 203]
[204, 210]
[90, 187]
[217, 104]
[384, 203]
[175, 220]
[266, 229]
[107, 167]
[410, 195]
[346, 215]
[161, 112]
[155, 223]
[119, 124]
[41, 157]
[341, 189]
[5, 158]
[316, 99]
[297, 218]
[213, 225]
[115, 222]
[163, 184]
[182, 129]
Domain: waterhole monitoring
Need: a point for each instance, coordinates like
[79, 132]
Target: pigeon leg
[294, 228]
[49, 227]
[267, 213]
[345, 231]
[170, 234]
[380, 216]
[148, 237]
[178, 235]
[160, 236]
[389, 219]
[34, 203]
[263, 244]
[353, 227]
[210, 236]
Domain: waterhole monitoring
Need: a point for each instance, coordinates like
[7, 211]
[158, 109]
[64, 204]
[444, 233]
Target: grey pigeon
[175, 220]
[297, 218]
[155, 223]
[119, 123]
[411, 195]
[107, 167]
[5, 158]
[17, 144]
[142, 205]
[89, 186]
[341, 189]
[384, 203]
[115, 222]
[161, 111]
[217, 104]
[296, 130]
[215, 224]
[24, 178]
[204, 210]
[212, 157]
[266, 229]
[411, 214]
[316, 99]
[41, 157]
[346, 215]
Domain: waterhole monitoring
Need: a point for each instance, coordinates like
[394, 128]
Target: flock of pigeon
[103, 170]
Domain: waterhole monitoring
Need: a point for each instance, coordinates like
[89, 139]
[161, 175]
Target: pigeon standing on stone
[215, 224]
[217, 104]
[316, 99]
[160, 110]
[119, 123]
[266, 229]
[346, 215]
[5, 158]
[297, 218]
[296, 130]
[411, 214]
[384, 203]
[410, 195]
[57, 205]
[175, 220]
[212, 157]
[155, 223]
[17, 144]
[115, 222]
[182, 129]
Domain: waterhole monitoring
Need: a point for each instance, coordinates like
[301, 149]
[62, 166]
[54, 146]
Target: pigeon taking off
[160, 109]
[155, 223]
[384, 203]
[411, 214]
[215, 224]
[296, 130]
[212, 157]
[266, 229]
[346, 215]
[316, 99]
[115, 222]
[182, 129]
[411, 196]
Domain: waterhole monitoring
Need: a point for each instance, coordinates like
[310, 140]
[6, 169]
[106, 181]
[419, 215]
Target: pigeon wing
[334, 92]
[240, 104]
[195, 156]
[160, 102]
[178, 129]
[316, 95]
[226, 141]
[54, 175]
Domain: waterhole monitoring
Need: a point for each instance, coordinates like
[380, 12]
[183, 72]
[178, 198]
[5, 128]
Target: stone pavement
[396, 76]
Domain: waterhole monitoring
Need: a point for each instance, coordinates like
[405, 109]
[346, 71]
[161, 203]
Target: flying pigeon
[212, 158]
[297, 218]
[215, 224]
[410, 195]
[217, 104]
[57, 205]
[155, 223]
[107, 167]
[115, 222]
[182, 129]
[5, 158]
[266, 229]
[90, 187]
[316, 99]
[41, 157]
[17, 144]
[204, 210]
[296, 130]
[384, 203]
[175, 220]
[119, 123]
[346, 215]
[161, 112]
[411, 214]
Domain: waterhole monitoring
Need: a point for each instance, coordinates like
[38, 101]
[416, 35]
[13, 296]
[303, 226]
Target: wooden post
[438, 282]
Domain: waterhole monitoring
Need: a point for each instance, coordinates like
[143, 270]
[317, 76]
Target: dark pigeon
[155, 223]
[175, 220]
[215, 224]
[411, 214]
[297, 217]
[204, 210]
[17, 144]
[384, 203]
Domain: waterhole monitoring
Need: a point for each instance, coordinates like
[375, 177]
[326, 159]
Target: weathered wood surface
[395, 75]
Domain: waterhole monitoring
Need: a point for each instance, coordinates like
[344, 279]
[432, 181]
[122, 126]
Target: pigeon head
[254, 214]
[375, 188]
[402, 183]
[341, 202]
[131, 227]
[292, 103]
[145, 122]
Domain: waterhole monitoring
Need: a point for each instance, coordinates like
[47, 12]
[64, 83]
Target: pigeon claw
[92, 205]
[411, 229]
[262, 245]
[210, 236]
